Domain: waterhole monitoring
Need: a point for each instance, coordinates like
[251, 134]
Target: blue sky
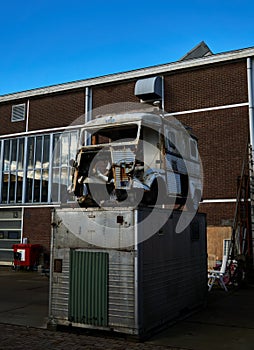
[52, 42]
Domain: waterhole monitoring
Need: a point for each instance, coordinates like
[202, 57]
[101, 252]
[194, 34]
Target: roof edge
[148, 71]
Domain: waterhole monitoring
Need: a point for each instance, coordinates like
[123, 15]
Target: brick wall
[50, 111]
[56, 110]
[112, 94]
[218, 214]
[7, 126]
[203, 87]
[222, 134]
[37, 226]
[222, 138]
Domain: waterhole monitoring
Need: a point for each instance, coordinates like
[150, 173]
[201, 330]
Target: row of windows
[36, 168]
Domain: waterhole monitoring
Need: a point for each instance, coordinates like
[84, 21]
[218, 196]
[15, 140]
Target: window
[193, 149]
[12, 181]
[36, 169]
[64, 149]
[171, 140]
[18, 112]
[37, 178]
[108, 134]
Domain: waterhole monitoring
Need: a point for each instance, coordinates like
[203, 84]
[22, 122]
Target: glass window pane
[46, 146]
[30, 153]
[38, 152]
[14, 154]
[19, 187]
[21, 154]
[73, 145]
[5, 187]
[37, 185]
[55, 185]
[44, 189]
[7, 155]
[12, 188]
[64, 176]
[56, 150]
[65, 149]
[29, 189]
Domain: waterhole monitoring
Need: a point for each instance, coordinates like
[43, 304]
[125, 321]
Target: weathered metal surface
[148, 284]
[173, 270]
[88, 297]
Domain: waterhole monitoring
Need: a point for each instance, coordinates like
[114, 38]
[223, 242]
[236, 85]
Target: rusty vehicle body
[136, 158]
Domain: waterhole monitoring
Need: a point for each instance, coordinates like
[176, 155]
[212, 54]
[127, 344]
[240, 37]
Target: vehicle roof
[144, 118]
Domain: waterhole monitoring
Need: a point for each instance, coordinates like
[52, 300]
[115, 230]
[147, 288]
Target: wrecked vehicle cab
[136, 158]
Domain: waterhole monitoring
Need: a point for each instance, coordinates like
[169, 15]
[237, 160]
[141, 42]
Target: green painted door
[88, 298]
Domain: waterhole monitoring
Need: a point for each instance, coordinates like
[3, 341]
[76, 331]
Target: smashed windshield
[109, 134]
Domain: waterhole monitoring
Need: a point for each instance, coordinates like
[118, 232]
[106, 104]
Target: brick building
[212, 93]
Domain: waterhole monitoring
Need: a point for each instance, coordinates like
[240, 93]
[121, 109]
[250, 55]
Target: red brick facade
[36, 226]
[222, 133]
[222, 137]
[218, 214]
[56, 110]
[211, 86]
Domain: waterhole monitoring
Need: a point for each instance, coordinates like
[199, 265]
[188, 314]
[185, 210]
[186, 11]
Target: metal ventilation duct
[149, 89]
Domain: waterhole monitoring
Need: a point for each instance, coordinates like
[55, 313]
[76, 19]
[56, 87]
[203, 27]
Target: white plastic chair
[217, 275]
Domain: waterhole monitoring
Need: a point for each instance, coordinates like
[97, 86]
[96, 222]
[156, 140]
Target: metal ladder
[251, 190]
[242, 240]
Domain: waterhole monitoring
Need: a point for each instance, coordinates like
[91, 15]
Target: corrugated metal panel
[60, 287]
[121, 290]
[173, 273]
[88, 300]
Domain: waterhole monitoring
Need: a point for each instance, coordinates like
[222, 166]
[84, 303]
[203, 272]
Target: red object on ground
[26, 255]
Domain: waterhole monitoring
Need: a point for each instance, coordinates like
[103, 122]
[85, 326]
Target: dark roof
[199, 51]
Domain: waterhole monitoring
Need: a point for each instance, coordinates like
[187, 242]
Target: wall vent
[149, 89]
[18, 112]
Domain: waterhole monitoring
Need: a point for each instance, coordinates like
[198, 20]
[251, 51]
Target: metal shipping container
[132, 288]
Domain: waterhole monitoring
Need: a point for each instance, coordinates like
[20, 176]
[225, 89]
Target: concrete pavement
[226, 324]
[23, 298]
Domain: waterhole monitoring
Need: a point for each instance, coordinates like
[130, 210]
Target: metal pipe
[88, 108]
[27, 115]
[163, 95]
[88, 104]
[250, 97]
[51, 322]
[251, 132]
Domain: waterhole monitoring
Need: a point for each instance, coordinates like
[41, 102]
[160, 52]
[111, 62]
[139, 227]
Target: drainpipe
[163, 95]
[27, 115]
[250, 96]
[51, 322]
[251, 131]
[88, 109]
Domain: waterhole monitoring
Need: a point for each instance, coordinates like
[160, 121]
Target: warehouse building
[211, 93]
